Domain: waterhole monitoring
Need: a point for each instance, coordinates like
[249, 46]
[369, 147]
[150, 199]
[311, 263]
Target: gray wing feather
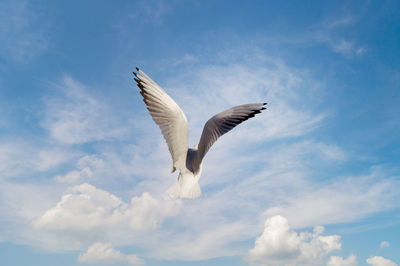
[222, 123]
[168, 116]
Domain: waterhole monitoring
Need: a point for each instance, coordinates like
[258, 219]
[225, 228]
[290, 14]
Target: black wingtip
[263, 108]
[137, 68]
[265, 103]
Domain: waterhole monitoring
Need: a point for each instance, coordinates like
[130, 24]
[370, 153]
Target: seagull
[174, 127]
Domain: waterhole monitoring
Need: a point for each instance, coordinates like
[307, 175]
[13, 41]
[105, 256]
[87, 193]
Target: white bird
[173, 124]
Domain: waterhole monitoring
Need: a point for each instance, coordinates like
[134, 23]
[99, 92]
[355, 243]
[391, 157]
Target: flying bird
[174, 127]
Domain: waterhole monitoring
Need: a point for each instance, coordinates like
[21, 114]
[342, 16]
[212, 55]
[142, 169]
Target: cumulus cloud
[85, 208]
[279, 244]
[380, 261]
[339, 261]
[104, 253]
[86, 211]
[147, 213]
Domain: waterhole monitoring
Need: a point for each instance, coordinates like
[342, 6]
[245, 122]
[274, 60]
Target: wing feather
[168, 116]
[222, 123]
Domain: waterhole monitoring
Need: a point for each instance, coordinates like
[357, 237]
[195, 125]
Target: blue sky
[313, 180]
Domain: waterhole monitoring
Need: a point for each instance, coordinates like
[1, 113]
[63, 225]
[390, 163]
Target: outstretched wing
[222, 123]
[168, 116]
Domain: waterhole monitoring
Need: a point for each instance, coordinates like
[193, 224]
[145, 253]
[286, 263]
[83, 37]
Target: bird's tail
[187, 186]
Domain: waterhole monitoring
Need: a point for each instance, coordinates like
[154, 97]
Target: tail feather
[186, 187]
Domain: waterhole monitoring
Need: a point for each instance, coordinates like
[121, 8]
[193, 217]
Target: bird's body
[173, 124]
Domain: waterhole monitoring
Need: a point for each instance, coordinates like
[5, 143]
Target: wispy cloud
[22, 32]
[256, 79]
[345, 47]
[152, 12]
[339, 22]
[347, 200]
[384, 244]
[86, 165]
[76, 117]
[16, 158]
[330, 34]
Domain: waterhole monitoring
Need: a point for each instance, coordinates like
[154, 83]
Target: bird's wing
[168, 116]
[222, 123]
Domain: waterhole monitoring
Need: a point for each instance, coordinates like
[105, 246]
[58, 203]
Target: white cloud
[340, 22]
[104, 253]
[86, 165]
[343, 47]
[346, 47]
[339, 261]
[22, 31]
[279, 244]
[147, 213]
[329, 151]
[340, 201]
[276, 167]
[384, 244]
[75, 175]
[361, 50]
[86, 211]
[152, 12]
[330, 34]
[205, 241]
[380, 261]
[23, 201]
[77, 117]
[284, 171]
[16, 158]
[282, 87]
